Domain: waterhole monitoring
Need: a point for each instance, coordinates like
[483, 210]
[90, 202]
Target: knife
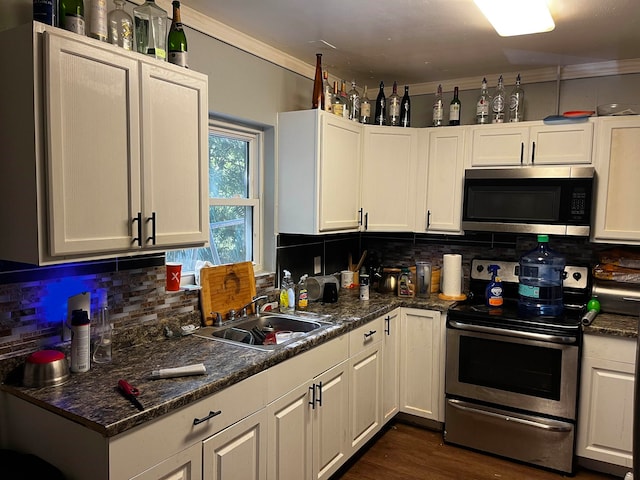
[131, 393]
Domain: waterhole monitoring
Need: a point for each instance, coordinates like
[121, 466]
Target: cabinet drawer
[176, 431]
[366, 335]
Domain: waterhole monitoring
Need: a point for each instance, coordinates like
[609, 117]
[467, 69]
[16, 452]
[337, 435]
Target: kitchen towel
[452, 274]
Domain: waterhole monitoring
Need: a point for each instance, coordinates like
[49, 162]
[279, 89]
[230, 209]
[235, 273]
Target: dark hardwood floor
[406, 452]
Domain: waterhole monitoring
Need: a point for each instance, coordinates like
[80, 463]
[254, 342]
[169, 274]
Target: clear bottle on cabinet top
[339, 106]
[46, 11]
[345, 99]
[381, 107]
[98, 20]
[327, 92]
[365, 107]
[317, 99]
[482, 105]
[177, 40]
[151, 30]
[516, 103]
[438, 108]
[498, 103]
[394, 106]
[405, 106]
[454, 108]
[354, 103]
[71, 16]
[120, 26]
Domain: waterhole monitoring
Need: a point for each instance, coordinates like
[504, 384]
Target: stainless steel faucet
[255, 301]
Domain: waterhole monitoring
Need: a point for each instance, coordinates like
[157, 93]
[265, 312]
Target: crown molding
[224, 33]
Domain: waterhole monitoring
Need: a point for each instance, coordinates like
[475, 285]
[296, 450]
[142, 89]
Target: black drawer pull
[367, 335]
[197, 421]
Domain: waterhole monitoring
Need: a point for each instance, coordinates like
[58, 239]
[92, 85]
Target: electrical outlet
[317, 265]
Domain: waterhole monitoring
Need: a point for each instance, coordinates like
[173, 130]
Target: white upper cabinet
[618, 178]
[109, 150]
[530, 143]
[389, 165]
[319, 158]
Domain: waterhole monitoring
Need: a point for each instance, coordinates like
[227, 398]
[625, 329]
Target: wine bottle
[438, 108]
[482, 105]
[151, 30]
[497, 103]
[454, 108]
[394, 106]
[72, 16]
[98, 20]
[339, 105]
[405, 104]
[381, 107]
[120, 26]
[46, 11]
[365, 107]
[317, 101]
[327, 93]
[177, 40]
[516, 103]
[354, 103]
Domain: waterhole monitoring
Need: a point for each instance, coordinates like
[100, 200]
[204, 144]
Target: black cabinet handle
[521, 153]
[138, 238]
[428, 219]
[319, 399]
[366, 220]
[312, 402]
[197, 421]
[533, 153]
[360, 215]
[152, 219]
[367, 335]
[387, 329]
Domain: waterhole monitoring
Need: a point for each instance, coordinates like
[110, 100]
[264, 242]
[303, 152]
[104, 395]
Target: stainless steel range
[511, 382]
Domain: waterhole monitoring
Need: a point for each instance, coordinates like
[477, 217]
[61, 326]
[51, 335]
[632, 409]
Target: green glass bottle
[72, 15]
[177, 40]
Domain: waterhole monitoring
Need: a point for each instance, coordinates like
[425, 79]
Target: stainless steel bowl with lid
[45, 368]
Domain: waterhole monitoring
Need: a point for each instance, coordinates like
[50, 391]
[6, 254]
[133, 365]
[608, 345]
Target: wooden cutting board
[226, 287]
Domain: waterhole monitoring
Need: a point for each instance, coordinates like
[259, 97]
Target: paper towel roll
[452, 274]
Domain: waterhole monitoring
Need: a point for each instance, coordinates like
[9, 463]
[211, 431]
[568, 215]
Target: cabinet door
[606, 400]
[289, 426]
[389, 163]
[365, 412]
[422, 364]
[391, 366]
[561, 144]
[340, 149]
[92, 112]
[238, 452]
[186, 465]
[617, 146]
[499, 145]
[445, 178]
[175, 156]
[330, 420]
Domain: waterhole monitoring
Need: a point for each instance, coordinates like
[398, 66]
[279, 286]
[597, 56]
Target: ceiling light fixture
[517, 17]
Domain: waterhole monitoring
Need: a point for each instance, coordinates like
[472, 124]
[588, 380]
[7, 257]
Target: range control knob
[577, 276]
[479, 268]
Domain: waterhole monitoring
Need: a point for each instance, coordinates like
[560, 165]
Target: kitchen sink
[269, 331]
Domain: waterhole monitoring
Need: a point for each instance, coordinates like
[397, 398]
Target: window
[235, 212]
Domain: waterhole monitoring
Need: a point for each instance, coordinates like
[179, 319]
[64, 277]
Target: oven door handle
[551, 427]
[514, 333]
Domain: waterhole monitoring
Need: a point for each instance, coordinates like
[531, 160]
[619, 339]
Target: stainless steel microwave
[551, 200]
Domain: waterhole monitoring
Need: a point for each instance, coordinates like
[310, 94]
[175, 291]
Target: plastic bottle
[405, 286]
[287, 294]
[80, 335]
[303, 293]
[493, 292]
[541, 276]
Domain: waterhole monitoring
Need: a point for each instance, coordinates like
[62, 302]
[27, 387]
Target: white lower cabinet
[422, 348]
[391, 365]
[185, 465]
[605, 419]
[238, 452]
[365, 392]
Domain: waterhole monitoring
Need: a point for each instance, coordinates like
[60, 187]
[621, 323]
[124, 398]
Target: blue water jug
[541, 276]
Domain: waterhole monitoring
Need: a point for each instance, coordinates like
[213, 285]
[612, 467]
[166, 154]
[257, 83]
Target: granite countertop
[92, 398]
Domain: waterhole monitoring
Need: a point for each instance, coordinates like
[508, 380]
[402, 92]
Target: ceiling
[425, 41]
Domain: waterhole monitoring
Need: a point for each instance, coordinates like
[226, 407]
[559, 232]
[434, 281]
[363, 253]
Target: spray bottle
[303, 294]
[287, 294]
[493, 292]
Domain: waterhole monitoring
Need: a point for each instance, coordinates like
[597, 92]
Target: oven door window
[512, 367]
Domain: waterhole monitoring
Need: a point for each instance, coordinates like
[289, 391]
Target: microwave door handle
[513, 333]
[461, 405]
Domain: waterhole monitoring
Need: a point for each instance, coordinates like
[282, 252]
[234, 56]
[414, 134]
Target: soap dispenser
[493, 292]
[287, 293]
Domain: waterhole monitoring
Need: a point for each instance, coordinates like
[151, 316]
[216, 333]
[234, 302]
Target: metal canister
[423, 279]
[364, 287]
